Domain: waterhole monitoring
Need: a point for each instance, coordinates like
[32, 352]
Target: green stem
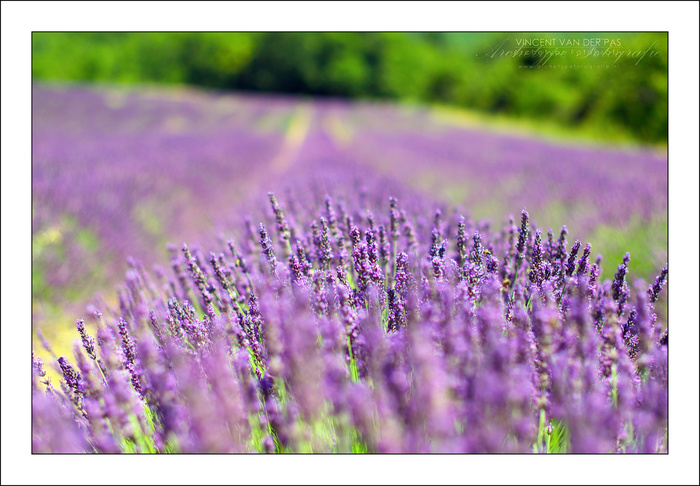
[354, 374]
[540, 433]
[99, 367]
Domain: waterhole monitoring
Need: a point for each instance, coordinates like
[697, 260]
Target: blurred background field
[478, 71]
[140, 140]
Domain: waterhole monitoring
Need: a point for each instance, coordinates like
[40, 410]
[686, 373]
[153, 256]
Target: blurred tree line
[622, 94]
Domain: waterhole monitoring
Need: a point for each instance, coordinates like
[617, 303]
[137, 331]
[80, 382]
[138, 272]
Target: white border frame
[679, 18]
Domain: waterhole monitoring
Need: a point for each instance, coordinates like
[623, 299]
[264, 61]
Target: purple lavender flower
[560, 252]
[655, 289]
[536, 270]
[325, 245]
[522, 235]
[571, 263]
[88, 341]
[620, 291]
[282, 225]
[268, 251]
[583, 264]
[54, 428]
[130, 362]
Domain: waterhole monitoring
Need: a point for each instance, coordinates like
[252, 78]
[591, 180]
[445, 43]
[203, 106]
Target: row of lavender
[587, 185]
[117, 173]
[361, 323]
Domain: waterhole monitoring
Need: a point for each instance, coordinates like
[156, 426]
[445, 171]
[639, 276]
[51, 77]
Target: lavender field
[278, 274]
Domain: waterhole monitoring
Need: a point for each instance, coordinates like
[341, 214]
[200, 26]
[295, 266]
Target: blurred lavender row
[118, 173]
[586, 184]
[363, 317]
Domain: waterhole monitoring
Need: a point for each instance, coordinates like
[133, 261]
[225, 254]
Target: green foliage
[619, 96]
[558, 438]
[645, 240]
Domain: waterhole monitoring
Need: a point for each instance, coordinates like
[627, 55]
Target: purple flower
[655, 289]
[88, 341]
[268, 251]
[620, 291]
[522, 235]
[571, 263]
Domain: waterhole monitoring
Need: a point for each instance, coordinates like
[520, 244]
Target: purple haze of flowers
[116, 172]
[423, 340]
